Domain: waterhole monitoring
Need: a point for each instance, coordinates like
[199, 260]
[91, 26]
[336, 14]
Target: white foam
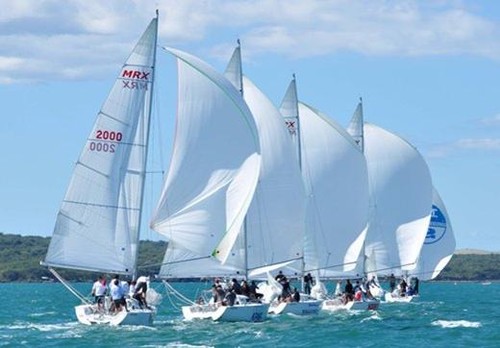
[41, 314]
[450, 324]
[374, 316]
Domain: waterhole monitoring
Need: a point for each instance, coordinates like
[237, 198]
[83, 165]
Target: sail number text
[106, 145]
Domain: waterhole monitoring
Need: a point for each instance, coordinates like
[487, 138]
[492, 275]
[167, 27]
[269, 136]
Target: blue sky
[426, 70]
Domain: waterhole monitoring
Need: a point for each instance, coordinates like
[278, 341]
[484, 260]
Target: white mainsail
[355, 128]
[274, 225]
[439, 244]
[400, 201]
[97, 227]
[335, 175]
[213, 173]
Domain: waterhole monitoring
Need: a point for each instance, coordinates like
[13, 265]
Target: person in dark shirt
[392, 282]
[349, 290]
[308, 282]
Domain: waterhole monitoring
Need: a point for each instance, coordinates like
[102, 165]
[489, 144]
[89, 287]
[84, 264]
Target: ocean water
[445, 315]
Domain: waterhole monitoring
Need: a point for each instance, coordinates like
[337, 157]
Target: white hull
[251, 312]
[307, 307]
[396, 298]
[337, 304]
[89, 315]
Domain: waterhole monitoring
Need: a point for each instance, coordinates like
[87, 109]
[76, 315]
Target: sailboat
[276, 220]
[400, 199]
[97, 227]
[335, 174]
[436, 251]
[240, 211]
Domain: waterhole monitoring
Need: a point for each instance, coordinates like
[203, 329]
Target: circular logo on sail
[437, 226]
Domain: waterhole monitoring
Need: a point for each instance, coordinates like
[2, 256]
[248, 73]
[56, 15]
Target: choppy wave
[40, 327]
[42, 314]
[450, 324]
[451, 310]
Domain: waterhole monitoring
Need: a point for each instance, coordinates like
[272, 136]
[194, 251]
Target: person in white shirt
[99, 291]
[116, 292]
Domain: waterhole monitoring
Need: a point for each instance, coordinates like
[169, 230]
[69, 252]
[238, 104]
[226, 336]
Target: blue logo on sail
[437, 226]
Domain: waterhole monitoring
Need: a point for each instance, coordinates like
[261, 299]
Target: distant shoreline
[20, 262]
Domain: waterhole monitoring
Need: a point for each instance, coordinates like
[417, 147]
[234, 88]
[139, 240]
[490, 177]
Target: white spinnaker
[439, 244]
[97, 227]
[400, 199]
[335, 174]
[181, 263]
[214, 167]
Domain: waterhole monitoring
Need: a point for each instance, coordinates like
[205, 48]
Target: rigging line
[101, 205]
[332, 266]
[175, 262]
[69, 287]
[169, 295]
[276, 263]
[393, 267]
[177, 294]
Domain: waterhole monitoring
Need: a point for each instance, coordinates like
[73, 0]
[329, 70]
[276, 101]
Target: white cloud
[491, 121]
[81, 37]
[466, 144]
[478, 144]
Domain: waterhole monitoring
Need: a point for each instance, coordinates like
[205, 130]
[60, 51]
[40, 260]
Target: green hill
[20, 258]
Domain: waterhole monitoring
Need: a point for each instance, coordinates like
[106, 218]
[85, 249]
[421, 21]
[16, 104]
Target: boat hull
[308, 307]
[89, 315]
[250, 312]
[337, 304]
[403, 299]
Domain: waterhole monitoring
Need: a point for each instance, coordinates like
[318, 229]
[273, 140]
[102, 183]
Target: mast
[290, 111]
[146, 149]
[239, 75]
[355, 129]
[299, 158]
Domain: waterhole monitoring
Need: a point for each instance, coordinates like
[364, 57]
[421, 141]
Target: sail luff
[146, 150]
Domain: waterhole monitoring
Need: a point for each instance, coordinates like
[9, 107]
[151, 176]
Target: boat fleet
[252, 190]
